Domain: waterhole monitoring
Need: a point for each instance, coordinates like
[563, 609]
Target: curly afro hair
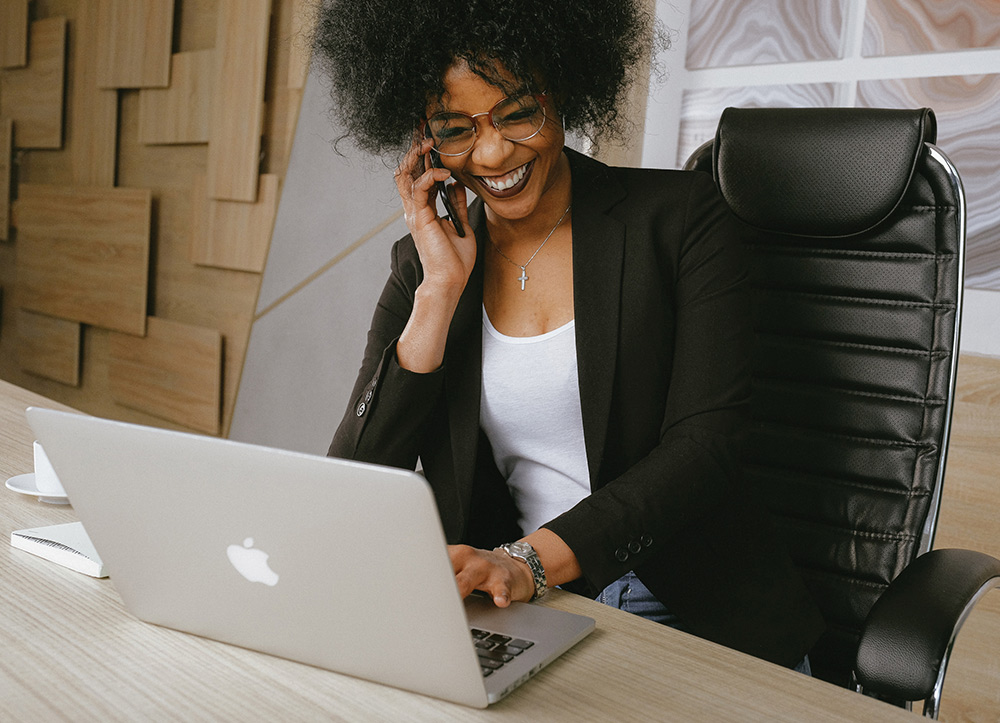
[385, 59]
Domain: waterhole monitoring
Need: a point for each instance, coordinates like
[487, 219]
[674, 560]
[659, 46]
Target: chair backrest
[856, 224]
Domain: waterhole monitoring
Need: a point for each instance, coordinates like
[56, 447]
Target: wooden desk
[68, 650]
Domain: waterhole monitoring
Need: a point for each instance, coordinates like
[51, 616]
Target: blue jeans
[629, 594]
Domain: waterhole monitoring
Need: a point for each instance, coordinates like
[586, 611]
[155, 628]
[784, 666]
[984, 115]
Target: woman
[567, 358]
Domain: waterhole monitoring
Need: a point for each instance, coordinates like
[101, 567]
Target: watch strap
[524, 552]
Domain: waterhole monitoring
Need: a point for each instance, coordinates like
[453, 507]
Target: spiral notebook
[67, 544]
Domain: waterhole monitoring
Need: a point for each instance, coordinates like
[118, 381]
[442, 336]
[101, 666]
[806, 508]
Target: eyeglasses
[516, 118]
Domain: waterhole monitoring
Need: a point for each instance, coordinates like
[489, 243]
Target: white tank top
[531, 414]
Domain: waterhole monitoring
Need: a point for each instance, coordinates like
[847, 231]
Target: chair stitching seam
[931, 401]
[801, 251]
[869, 440]
[860, 299]
[932, 353]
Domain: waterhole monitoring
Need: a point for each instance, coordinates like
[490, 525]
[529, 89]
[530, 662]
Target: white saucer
[25, 484]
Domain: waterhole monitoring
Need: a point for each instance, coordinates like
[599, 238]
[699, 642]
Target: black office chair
[856, 224]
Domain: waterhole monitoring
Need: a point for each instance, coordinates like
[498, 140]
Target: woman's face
[537, 165]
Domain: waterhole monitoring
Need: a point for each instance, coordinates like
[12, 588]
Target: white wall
[329, 257]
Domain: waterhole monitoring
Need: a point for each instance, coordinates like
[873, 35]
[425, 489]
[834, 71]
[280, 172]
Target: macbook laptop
[338, 564]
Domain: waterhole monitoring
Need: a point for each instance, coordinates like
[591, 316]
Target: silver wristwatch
[526, 553]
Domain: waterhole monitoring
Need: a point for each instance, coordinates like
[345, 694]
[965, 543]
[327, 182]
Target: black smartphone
[445, 198]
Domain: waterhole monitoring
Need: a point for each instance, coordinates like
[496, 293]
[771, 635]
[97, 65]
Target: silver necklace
[524, 274]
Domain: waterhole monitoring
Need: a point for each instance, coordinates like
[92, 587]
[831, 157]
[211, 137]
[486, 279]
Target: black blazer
[663, 341]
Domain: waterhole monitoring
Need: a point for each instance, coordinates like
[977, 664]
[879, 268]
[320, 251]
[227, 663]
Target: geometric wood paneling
[905, 27]
[33, 95]
[13, 33]
[83, 253]
[237, 111]
[92, 135]
[49, 347]
[175, 372]
[233, 234]
[752, 32]
[133, 42]
[176, 288]
[179, 114]
[6, 153]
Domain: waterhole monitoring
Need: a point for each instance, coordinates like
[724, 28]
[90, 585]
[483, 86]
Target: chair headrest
[818, 171]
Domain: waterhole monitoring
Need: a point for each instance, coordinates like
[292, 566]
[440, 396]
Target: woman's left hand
[495, 572]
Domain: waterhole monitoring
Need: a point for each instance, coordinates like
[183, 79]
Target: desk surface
[69, 650]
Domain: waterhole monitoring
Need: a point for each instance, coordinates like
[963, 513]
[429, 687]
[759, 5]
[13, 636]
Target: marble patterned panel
[904, 27]
[968, 115]
[752, 32]
[701, 108]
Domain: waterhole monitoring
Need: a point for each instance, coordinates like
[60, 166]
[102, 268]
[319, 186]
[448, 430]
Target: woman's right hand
[447, 259]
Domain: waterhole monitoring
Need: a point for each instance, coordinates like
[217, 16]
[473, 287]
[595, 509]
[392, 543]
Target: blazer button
[646, 540]
[361, 409]
[621, 554]
[368, 395]
[634, 547]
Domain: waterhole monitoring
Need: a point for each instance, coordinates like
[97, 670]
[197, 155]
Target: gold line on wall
[92, 135]
[179, 114]
[49, 347]
[83, 253]
[327, 266]
[233, 234]
[33, 95]
[13, 33]
[237, 112]
[134, 40]
[175, 372]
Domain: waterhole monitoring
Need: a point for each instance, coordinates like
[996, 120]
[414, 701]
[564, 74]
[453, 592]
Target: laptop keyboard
[495, 650]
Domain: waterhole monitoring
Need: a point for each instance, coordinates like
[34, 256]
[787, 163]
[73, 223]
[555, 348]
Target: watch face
[521, 548]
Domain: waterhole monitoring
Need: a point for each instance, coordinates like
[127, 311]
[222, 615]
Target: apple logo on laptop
[251, 563]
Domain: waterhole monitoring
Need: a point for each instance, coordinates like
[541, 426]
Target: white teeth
[509, 183]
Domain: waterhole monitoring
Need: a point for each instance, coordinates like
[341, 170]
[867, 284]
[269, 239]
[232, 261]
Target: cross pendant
[523, 277]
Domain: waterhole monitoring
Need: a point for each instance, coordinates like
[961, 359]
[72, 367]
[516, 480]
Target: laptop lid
[335, 563]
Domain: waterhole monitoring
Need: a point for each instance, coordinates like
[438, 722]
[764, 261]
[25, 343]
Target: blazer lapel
[598, 257]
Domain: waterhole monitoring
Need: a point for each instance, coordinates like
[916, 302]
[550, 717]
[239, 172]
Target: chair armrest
[909, 632]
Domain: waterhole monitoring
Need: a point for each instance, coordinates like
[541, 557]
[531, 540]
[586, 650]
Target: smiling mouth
[508, 184]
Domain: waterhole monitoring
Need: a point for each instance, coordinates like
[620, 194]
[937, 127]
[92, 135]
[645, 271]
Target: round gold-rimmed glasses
[516, 118]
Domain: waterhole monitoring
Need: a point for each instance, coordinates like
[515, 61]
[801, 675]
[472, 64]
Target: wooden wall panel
[13, 33]
[970, 519]
[179, 114]
[134, 42]
[233, 234]
[83, 254]
[6, 154]
[178, 289]
[49, 347]
[33, 95]
[237, 113]
[175, 372]
[93, 127]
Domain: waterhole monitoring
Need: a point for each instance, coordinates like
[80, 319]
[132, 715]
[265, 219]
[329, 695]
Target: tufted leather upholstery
[857, 238]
